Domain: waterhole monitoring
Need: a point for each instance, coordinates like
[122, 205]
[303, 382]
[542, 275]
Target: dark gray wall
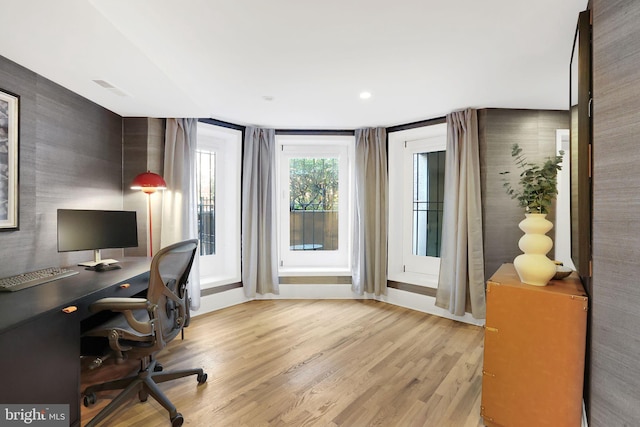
[499, 129]
[615, 369]
[70, 157]
[143, 149]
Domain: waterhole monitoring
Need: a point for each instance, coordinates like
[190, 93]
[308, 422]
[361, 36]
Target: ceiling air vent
[105, 84]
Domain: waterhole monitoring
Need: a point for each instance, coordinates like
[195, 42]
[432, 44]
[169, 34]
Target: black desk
[40, 343]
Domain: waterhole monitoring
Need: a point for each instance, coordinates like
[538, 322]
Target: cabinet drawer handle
[70, 309]
[124, 286]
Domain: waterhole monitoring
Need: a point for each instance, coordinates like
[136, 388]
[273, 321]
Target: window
[428, 202]
[314, 207]
[416, 199]
[313, 203]
[218, 167]
[206, 194]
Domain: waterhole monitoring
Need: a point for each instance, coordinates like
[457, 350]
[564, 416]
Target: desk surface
[22, 306]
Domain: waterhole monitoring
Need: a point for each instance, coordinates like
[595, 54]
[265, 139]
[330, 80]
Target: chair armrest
[126, 306]
[119, 304]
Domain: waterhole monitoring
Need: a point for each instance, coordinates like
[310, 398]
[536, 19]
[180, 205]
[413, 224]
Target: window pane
[428, 201]
[205, 172]
[313, 203]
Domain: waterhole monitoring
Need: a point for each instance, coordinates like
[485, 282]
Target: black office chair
[143, 327]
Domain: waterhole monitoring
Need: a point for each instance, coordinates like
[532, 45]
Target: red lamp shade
[148, 182]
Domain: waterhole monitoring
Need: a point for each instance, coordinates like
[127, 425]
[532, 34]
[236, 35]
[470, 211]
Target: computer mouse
[100, 267]
[105, 267]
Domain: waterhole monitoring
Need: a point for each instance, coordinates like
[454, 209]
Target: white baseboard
[220, 300]
[308, 291]
[422, 303]
[425, 304]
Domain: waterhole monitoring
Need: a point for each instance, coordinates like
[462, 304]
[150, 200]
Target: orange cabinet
[534, 349]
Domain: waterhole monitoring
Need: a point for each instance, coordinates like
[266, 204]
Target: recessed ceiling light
[268, 98]
[365, 95]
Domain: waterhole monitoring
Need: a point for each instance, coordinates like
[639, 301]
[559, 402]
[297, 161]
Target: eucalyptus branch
[537, 185]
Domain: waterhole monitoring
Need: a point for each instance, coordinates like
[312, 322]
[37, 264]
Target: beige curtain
[179, 201]
[461, 281]
[259, 238]
[369, 270]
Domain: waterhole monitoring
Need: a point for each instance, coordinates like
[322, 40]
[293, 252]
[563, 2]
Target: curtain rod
[332, 132]
[419, 124]
[328, 132]
[222, 124]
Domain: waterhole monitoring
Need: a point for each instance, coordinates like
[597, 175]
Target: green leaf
[537, 184]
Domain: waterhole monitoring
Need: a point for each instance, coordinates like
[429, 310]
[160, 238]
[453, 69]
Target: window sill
[284, 272]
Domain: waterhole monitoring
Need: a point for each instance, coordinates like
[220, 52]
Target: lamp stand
[150, 225]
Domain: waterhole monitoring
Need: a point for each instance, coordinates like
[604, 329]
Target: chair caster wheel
[202, 378]
[89, 399]
[143, 395]
[158, 368]
[177, 420]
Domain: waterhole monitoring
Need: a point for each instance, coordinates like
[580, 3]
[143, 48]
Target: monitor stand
[97, 260]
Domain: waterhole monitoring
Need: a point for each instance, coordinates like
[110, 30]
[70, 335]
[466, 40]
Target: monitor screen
[80, 230]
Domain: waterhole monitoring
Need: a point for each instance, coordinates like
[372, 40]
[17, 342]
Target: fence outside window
[205, 173]
[313, 204]
[313, 230]
[207, 226]
[428, 202]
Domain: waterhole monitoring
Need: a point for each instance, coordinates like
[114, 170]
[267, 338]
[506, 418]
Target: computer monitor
[82, 229]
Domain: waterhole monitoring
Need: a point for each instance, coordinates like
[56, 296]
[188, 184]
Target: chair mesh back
[167, 286]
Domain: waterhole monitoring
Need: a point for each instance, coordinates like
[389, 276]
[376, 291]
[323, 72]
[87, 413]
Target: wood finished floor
[315, 363]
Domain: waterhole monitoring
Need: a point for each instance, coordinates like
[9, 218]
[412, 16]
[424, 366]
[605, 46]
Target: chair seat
[119, 323]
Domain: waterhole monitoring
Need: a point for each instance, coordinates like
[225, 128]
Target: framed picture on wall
[9, 160]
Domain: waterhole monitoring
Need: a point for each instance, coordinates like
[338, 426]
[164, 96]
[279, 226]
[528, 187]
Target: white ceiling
[221, 58]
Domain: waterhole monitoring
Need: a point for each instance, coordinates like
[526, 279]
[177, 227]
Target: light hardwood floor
[316, 363]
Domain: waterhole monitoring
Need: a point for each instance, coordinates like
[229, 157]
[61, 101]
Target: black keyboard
[34, 278]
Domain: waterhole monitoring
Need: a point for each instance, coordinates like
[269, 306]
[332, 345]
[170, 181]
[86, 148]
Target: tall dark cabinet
[581, 136]
[581, 107]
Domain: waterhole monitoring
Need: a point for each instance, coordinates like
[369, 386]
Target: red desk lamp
[149, 183]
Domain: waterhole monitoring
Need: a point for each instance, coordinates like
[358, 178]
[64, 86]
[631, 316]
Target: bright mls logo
[34, 415]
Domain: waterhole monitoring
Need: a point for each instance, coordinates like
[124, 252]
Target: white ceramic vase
[533, 266]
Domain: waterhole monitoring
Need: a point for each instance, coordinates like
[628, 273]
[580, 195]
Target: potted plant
[537, 188]
[538, 184]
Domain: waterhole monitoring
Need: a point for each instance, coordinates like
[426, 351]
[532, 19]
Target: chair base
[145, 383]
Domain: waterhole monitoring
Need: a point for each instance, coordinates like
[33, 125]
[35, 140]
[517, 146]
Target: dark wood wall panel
[16, 246]
[70, 157]
[535, 132]
[135, 134]
[155, 163]
[615, 372]
[143, 148]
